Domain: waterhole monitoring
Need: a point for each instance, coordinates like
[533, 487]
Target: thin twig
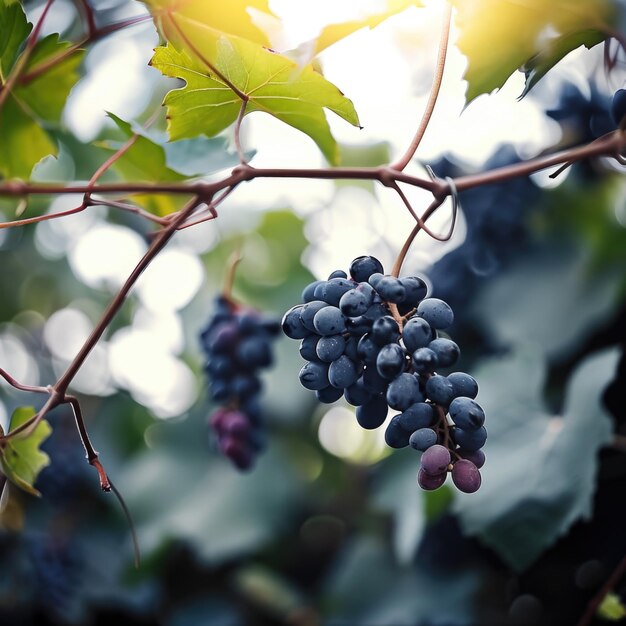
[20, 386]
[434, 92]
[131, 524]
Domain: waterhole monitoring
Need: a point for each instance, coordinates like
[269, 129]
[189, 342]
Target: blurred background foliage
[330, 527]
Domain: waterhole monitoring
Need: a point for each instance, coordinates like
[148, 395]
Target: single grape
[471, 440]
[429, 482]
[328, 395]
[329, 321]
[373, 413]
[337, 274]
[308, 293]
[364, 266]
[375, 278]
[331, 290]
[466, 413]
[330, 348]
[367, 349]
[415, 289]
[404, 391]
[343, 372]
[436, 312]
[465, 476]
[308, 347]
[463, 384]
[385, 330]
[439, 389]
[446, 350]
[358, 326]
[391, 289]
[395, 435]
[436, 460]
[424, 361]
[418, 415]
[390, 361]
[357, 394]
[373, 381]
[314, 376]
[292, 323]
[308, 311]
[355, 302]
[417, 333]
[423, 438]
[254, 352]
[477, 457]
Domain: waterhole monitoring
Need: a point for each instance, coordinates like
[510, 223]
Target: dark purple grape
[422, 439]
[471, 440]
[328, 395]
[343, 372]
[357, 394]
[390, 361]
[439, 389]
[618, 106]
[385, 330]
[314, 376]
[446, 350]
[477, 457]
[466, 413]
[404, 391]
[292, 323]
[436, 312]
[417, 333]
[364, 266]
[465, 476]
[391, 289]
[373, 381]
[415, 289]
[436, 460]
[329, 321]
[308, 347]
[424, 361]
[355, 302]
[308, 293]
[367, 349]
[308, 312]
[430, 483]
[395, 435]
[463, 384]
[418, 415]
[330, 348]
[373, 413]
[337, 274]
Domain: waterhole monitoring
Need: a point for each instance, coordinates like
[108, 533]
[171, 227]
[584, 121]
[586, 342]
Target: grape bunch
[376, 340]
[238, 344]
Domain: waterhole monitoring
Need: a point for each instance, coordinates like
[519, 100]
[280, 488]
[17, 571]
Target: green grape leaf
[500, 36]
[14, 28]
[21, 459]
[333, 33]
[612, 608]
[188, 21]
[540, 473]
[537, 67]
[273, 84]
[24, 140]
[145, 161]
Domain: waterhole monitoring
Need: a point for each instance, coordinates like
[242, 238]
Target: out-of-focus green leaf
[612, 608]
[145, 161]
[396, 491]
[500, 36]
[539, 65]
[23, 139]
[273, 84]
[21, 458]
[540, 473]
[14, 28]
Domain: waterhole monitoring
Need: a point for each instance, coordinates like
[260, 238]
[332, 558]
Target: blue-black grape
[618, 106]
[373, 338]
[238, 345]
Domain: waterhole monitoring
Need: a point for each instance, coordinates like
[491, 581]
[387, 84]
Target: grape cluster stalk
[378, 341]
[237, 342]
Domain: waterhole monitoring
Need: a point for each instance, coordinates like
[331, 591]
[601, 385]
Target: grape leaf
[540, 473]
[23, 138]
[333, 33]
[500, 36]
[21, 459]
[272, 83]
[145, 161]
[14, 28]
[200, 23]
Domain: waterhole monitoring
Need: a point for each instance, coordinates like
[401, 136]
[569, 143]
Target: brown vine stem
[434, 92]
[592, 608]
[18, 69]
[20, 386]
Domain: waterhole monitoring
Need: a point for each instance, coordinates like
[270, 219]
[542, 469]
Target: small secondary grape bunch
[238, 344]
[376, 340]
